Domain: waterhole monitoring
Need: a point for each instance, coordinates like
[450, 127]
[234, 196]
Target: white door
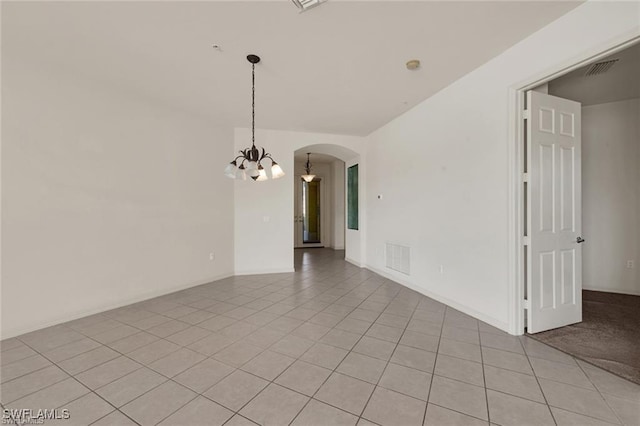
[554, 255]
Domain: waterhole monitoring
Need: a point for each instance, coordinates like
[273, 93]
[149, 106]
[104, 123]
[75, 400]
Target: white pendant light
[276, 171]
[252, 157]
[231, 170]
[307, 167]
[262, 174]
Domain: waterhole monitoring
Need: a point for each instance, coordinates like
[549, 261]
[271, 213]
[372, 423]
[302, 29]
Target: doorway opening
[319, 201]
[311, 202]
[577, 216]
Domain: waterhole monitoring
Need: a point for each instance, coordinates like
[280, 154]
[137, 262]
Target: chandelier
[251, 158]
[307, 167]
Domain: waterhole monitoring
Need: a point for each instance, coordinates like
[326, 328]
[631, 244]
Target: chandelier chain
[253, 105]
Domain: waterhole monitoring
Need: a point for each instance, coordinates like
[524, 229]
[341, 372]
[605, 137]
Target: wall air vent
[398, 258]
[600, 67]
[305, 5]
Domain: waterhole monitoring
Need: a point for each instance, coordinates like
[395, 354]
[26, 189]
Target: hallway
[330, 344]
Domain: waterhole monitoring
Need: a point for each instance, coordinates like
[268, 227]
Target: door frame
[516, 158]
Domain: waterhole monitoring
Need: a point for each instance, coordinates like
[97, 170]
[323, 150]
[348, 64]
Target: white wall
[339, 212]
[106, 199]
[263, 210]
[443, 168]
[611, 196]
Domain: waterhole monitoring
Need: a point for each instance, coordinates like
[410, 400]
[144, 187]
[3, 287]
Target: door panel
[554, 281]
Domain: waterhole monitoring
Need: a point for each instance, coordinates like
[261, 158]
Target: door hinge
[525, 177]
[526, 241]
[525, 114]
[525, 304]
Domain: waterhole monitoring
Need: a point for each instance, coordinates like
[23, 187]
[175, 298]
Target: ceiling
[338, 68]
[619, 83]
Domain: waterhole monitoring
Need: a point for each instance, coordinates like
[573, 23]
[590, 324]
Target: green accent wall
[352, 197]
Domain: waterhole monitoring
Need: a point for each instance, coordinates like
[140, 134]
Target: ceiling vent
[600, 67]
[305, 5]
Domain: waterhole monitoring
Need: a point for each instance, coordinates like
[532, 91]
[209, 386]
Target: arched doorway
[318, 201]
[321, 205]
[263, 211]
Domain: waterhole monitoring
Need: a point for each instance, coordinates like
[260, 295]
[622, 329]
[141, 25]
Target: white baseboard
[353, 262]
[265, 271]
[338, 248]
[462, 308]
[81, 314]
[613, 290]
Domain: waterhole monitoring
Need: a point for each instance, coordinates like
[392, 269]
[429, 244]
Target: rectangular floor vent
[398, 258]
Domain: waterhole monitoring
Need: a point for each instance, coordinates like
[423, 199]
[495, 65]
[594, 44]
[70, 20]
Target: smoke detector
[600, 67]
[305, 5]
[413, 64]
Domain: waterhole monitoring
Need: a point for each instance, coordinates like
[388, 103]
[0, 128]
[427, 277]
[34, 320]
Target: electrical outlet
[212, 256]
[631, 264]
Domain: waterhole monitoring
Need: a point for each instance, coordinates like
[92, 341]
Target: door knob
[579, 240]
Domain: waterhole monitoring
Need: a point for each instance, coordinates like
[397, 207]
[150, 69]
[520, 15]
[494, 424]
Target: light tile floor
[330, 344]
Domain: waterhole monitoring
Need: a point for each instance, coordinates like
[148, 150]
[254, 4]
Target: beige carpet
[608, 336]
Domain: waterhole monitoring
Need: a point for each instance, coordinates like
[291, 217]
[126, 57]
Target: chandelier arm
[270, 158]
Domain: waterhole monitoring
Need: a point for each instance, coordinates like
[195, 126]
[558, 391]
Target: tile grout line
[30, 372]
[316, 342]
[567, 384]
[601, 395]
[236, 368]
[526, 354]
[336, 367]
[91, 391]
[484, 377]
[350, 351]
[389, 361]
[197, 393]
[298, 358]
[98, 365]
[435, 361]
